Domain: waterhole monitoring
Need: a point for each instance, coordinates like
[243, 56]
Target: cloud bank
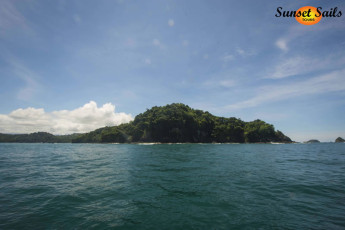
[83, 119]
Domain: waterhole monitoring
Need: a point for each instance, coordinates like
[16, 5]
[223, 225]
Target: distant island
[312, 141]
[339, 140]
[38, 137]
[174, 123]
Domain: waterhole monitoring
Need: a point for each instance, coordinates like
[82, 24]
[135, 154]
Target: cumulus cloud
[83, 119]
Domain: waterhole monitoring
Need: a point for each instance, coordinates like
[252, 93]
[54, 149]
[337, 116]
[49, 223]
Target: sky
[71, 66]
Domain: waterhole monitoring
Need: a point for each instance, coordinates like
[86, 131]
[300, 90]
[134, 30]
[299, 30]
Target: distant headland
[174, 123]
[312, 141]
[339, 140]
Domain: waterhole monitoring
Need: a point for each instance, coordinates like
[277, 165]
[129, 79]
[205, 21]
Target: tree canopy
[39, 137]
[177, 122]
[339, 140]
[174, 123]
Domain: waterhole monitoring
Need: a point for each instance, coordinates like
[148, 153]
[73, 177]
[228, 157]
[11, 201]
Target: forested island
[39, 137]
[174, 123]
[339, 140]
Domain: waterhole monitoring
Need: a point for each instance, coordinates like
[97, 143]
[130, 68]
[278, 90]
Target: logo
[308, 15]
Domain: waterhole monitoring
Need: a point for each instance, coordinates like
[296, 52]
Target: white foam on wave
[148, 143]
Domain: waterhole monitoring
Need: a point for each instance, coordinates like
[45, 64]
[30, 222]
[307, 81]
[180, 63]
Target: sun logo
[308, 15]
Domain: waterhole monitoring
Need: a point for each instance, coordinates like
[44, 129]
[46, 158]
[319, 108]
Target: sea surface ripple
[176, 186]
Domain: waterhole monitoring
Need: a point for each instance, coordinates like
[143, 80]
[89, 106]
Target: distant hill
[172, 123]
[339, 140]
[177, 122]
[312, 141]
[39, 137]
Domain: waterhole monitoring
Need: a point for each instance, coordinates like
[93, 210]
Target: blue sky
[73, 62]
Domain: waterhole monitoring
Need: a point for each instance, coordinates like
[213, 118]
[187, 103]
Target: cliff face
[179, 123]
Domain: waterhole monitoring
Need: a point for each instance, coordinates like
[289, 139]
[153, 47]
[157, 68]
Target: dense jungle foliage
[174, 123]
[178, 123]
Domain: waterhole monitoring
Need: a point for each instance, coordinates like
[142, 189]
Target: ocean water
[177, 186]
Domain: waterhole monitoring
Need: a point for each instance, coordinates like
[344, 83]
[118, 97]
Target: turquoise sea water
[179, 186]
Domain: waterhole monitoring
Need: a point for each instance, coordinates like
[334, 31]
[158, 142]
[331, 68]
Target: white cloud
[240, 51]
[171, 22]
[228, 57]
[300, 65]
[282, 44]
[297, 66]
[297, 31]
[83, 119]
[330, 82]
[245, 53]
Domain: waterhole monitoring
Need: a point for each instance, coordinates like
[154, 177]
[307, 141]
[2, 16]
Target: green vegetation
[167, 124]
[312, 141]
[339, 140]
[179, 123]
[37, 138]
